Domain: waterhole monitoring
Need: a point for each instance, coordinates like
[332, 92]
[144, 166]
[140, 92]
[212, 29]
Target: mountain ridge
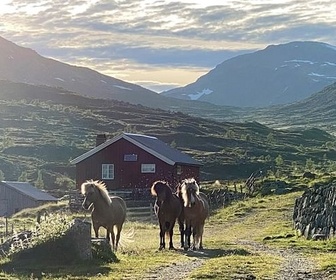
[278, 74]
[19, 64]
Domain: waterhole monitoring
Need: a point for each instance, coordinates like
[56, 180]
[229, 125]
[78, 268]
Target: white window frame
[108, 171]
[148, 168]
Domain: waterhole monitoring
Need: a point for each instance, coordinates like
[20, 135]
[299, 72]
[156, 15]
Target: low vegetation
[241, 240]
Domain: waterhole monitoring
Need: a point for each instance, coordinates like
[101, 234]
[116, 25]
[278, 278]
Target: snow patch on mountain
[121, 87]
[198, 95]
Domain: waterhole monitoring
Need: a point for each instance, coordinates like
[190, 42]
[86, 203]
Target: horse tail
[126, 238]
[167, 227]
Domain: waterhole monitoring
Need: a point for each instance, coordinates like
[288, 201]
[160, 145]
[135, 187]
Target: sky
[161, 44]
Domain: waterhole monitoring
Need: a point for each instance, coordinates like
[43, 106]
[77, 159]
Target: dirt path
[294, 267]
[175, 271]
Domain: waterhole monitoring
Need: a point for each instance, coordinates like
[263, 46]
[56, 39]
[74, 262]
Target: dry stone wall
[314, 213]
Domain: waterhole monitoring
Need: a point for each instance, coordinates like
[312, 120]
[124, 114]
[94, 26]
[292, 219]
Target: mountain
[24, 65]
[278, 74]
[43, 128]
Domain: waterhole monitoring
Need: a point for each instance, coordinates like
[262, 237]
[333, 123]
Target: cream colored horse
[108, 212]
[196, 210]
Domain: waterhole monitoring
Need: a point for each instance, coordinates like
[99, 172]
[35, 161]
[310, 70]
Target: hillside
[318, 111]
[43, 128]
[19, 64]
[278, 74]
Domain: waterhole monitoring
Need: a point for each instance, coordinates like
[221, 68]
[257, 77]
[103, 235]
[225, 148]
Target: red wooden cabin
[132, 161]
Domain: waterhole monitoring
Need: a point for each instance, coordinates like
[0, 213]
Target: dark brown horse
[108, 212]
[195, 211]
[168, 208]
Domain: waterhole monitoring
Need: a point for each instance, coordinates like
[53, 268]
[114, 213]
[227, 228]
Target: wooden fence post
[151, 212]
[6, 225]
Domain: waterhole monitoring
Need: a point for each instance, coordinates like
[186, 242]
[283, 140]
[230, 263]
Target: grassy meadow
[231, 238]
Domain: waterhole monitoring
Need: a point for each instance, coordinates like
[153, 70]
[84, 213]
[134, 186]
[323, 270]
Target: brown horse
[168, 208]
[195, 210]
[108, 212]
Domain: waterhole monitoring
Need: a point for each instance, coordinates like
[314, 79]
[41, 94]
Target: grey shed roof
[150, 144]
[29, 190]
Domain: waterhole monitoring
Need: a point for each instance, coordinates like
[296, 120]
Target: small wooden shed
[15, 196]
[131, 161]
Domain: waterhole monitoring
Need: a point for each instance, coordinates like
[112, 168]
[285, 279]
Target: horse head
[189, 190]
[91, 192]
[161, 190]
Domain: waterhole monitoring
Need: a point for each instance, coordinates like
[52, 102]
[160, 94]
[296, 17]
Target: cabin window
[130, 157]
[107, 171]
[148, 168]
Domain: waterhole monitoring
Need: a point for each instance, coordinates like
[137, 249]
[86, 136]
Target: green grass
[265, 220]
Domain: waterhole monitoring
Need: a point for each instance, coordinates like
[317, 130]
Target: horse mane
[191, 182]
[159, 186]
[99, 186]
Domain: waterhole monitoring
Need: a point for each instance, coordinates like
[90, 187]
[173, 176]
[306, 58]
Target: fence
[6, 228]
[143, 214]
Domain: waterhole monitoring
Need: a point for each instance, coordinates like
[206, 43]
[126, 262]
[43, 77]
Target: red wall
[128, 174]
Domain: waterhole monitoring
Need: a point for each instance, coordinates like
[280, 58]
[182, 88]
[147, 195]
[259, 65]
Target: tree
[173, 144]
[39, 181]
[270, 138]
[310, 164]
[230, 134]
[279, 161]
[2, 176]
[23, 177]
[294, 165]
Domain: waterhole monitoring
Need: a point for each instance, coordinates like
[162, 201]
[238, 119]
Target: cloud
[121, 36]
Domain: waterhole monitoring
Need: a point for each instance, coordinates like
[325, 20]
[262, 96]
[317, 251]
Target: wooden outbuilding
[15, 196]
[132, 161]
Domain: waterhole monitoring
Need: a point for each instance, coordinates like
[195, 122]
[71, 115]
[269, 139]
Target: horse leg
[201, 237]
[181, 228]
[189, 236]
[171, 232]
[162, 237]
[119, 228]
[96, 229]
[195, 238]
[187, 233]
[113, 238]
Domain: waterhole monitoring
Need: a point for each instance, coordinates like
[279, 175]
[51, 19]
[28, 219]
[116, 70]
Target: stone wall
[315, 212]
[80, 236]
